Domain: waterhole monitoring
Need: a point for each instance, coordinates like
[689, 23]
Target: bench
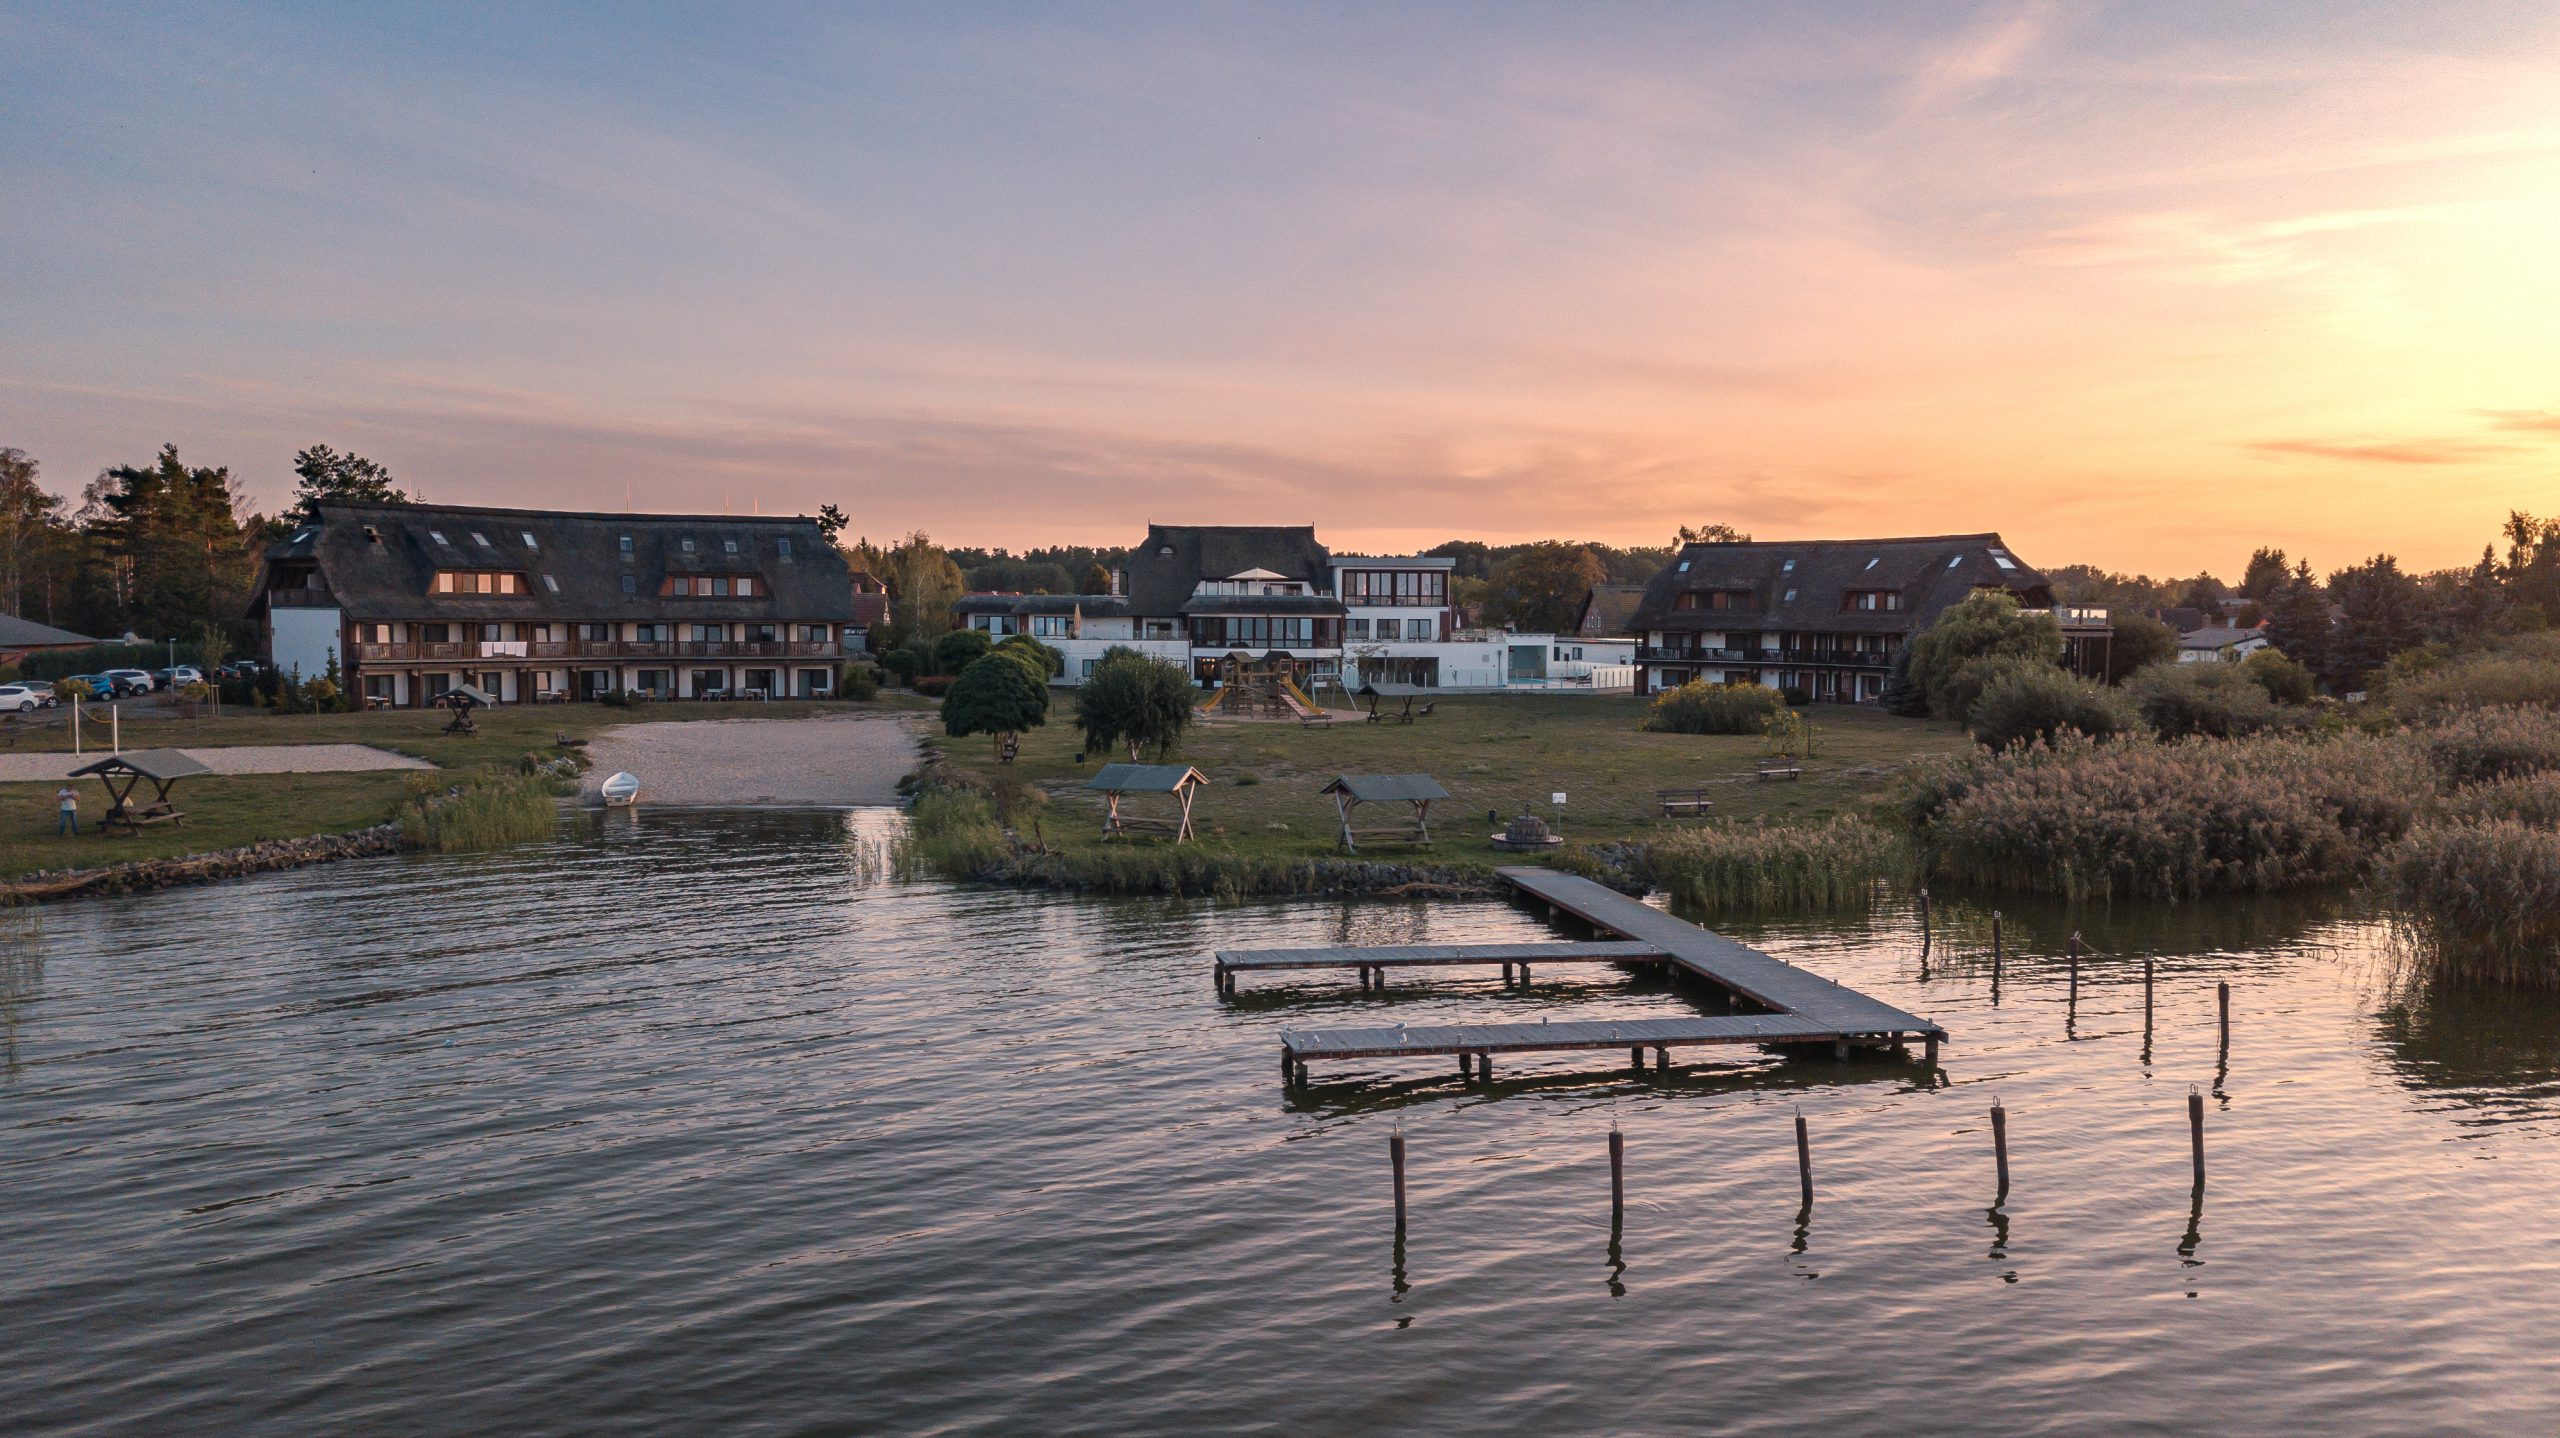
[1676, 802]
[1781, 769]
[134, 819]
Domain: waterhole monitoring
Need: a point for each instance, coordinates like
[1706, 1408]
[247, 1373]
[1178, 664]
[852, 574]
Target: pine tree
[2298, 620]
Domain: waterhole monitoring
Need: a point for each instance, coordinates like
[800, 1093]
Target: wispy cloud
[2391, 451]
[2523, 421]
[1994, 47]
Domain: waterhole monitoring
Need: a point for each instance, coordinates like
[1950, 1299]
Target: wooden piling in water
[2000, 1144]
[2146, 993]
[1804, 1159]
[1995, 948]
[2223, 995]
[2075, 968]
[1617, 1176]
[1395, 1153]
[1635, 1056]
[2195, 1131]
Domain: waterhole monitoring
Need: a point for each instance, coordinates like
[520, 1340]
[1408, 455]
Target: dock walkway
[1801, 1007]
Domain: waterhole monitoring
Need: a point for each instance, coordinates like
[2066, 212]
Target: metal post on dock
[1617, 1175]
[2195, 1131]
[1395, 1153]
[2000, 1145]
[1804, 1159]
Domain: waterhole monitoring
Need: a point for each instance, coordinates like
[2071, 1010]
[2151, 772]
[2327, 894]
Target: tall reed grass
[2148, 819]
[487, 810]
[2483, 745]
[2480, 900]
[1743, 867]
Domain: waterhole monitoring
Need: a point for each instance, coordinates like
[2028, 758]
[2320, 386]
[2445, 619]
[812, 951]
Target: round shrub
[1698, 707]
[954, 652]
[2038, 704]
[2216, 700]
[2285, 681]
[861, 683]
[904, 663]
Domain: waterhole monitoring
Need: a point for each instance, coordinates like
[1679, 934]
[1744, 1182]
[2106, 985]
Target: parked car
[236, 670]
[131, 681]
[177, 677]
[19, 698]
[100, 686]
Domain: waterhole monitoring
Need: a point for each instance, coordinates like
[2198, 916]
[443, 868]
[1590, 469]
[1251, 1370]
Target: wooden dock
[1797, 1006]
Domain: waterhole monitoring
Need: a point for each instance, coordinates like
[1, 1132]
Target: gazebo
[462, 699]
[1350, 791]
[1115, 781]
[163, 767]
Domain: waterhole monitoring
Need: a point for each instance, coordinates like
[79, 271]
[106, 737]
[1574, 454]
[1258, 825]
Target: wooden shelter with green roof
[1350, 791]
[162, 767]
[1116, 781]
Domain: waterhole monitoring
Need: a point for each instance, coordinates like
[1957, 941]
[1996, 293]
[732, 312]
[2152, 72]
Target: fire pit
[1526, 834]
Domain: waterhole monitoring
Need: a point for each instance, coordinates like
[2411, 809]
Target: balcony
[318, 596]
[1675, 655]
[539, 650]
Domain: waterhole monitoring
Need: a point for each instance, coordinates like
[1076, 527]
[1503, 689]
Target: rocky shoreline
[140, 875]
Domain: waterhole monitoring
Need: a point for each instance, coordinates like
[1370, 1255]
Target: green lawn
[228, 811]
[1491, 753]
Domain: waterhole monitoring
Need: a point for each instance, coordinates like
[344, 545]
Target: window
[782, 547]
[492, 633]
[435, 634]
[813, 634]
[760, 634]
[2002, 560]
[482, 540]
[1874, 560]
[1053, 626]
[551, 584]
[438, 536]
[729, 546]
[528, 540]
[1787, 568]
[1356, 629]
[746, 587]
[626, 546]
[1417, 629]
[597, 631]
[1684, 567]
[688, 544]
[710, 633]
[630, 584]
[720, 587]
[1873, 600]
[1954, 560]
[648, 633]
[1791, 597]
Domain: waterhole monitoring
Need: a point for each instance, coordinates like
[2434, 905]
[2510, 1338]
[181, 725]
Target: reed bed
[487, 810]
[1760, 867]
[2484, 745]
[2528, 798]
[2142, 818]
[2479, 899]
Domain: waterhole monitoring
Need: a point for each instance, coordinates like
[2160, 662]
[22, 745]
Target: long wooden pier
[1798, 1006]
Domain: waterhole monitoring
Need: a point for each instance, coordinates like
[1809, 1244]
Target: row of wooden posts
[1804, 1158]
[1998, 955]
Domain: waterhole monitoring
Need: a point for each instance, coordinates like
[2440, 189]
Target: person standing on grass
[69, 799]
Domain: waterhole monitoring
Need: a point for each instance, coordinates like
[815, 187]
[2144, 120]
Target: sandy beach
[835, 759]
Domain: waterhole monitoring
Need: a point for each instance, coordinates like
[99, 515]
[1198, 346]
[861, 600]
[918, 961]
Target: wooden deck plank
[1561, 951]
[1576, 1034]
[1757, 976]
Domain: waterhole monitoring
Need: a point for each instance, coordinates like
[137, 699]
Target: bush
[1796, 695]
[860, 683]
[2480, 899]
[1775, 867]
[904, 663]
[622, 698]
[2038, 703]
[996, 695]
[1985, 625]
[1698, 707]
[2524, 671]
[2285, 681]
[954, 652]
[1043, 662]
[67, 690]
[2216, 700]
[933, 686]
[2141, 818]
[2138, 642]
[2491, 744]
[1134, 700]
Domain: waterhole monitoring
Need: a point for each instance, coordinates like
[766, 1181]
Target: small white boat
[622, 789]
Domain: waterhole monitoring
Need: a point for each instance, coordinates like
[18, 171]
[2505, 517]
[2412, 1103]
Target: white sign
[1555, 798]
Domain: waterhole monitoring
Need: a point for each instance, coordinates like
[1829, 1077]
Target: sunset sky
[2141, 285]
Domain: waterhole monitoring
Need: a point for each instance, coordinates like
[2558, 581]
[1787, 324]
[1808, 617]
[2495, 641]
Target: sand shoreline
[833, 760]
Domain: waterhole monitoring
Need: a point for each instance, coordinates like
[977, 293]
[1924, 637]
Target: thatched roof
[1803, 584]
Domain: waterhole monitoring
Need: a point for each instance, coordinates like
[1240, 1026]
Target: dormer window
[782, 547]
[1165, 550]
[482, 540]
[1954, 561]
[630, 584]
[688, 544]
[626, 546]
[551, 584]
[1684, 567]
[528, 540]
[1787, 568]
[1874, 561]
[729, 546]
[2002, 560]
[438, 536]
[1791, 597]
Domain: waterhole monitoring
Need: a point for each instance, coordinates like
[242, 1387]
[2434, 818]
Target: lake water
[697, 1124]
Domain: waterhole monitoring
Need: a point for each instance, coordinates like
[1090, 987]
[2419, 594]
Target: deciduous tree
[327, 474]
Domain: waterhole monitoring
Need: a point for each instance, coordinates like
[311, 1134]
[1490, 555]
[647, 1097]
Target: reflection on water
[694, 1122]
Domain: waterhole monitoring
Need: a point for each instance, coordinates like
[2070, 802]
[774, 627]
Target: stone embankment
[138, 875]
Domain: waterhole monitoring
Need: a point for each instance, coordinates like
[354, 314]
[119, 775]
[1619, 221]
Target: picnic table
[162, 767]
[462, 699]
[1408, 693]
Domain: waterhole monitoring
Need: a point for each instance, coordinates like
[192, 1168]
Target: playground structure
[1264, 688]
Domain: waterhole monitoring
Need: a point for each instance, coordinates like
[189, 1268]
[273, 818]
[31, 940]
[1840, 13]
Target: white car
[138, 679]
[19, 698]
